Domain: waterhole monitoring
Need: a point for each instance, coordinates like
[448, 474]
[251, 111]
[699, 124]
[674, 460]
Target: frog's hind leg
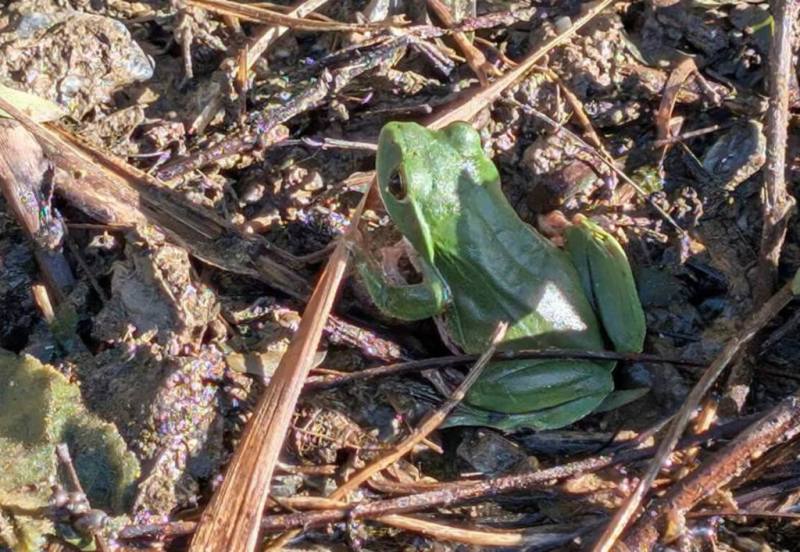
[607, 280]
[540, 420]
[522, 386]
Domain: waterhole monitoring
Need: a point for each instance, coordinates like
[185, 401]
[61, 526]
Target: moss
[39, 409]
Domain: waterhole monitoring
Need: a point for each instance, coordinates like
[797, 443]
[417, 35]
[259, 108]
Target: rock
[72, 58]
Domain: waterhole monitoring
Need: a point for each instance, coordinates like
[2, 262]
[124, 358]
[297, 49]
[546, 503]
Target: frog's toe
[621, 397]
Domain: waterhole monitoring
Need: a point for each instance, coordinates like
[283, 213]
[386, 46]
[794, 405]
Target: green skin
[481, 264]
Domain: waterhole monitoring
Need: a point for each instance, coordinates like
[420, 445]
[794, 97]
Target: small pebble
[252, 193]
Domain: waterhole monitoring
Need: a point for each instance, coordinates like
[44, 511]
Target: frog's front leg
[406, 302]
[608, 282]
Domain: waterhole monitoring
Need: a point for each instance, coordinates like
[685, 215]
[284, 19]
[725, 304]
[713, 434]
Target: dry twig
[65, 458]
[450, 493]
[752, 326]
[672, 88]
[467, 108]
[609, 162]
[110, 190]
[231, 521]
[24, 173]
[265, 129]
[778, 204]
[262, 15]
[318, 383]
[428, 425]
[778, 425]
[255, 48]
[475, 58]
[458, 492]
[440, 531]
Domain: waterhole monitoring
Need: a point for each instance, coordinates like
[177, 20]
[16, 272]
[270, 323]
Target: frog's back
[449, 204]
[515, 274]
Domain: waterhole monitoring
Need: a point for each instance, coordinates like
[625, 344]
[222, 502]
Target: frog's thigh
[550, 418]
[608, 282]
[517, 387]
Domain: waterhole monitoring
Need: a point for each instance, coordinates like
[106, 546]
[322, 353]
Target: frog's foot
[549, 418]
[401, 300]
[540, 420]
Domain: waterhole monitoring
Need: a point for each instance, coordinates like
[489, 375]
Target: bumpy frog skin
[481, 264]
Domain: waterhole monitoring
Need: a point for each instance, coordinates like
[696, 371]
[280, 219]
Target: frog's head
[422, 175]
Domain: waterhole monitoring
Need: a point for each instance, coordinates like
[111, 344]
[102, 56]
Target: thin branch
[265, 129]
[475, 58]
[254, 49]
[262, 15]
[453, 492]
[459, 492]
[428, 425]
[25, 171]
[65, 458]
[232, 519]
[466, 109]
[778, 204]
[111, 190]
[779, 425]
[670, 96]
[744, 513]
[755, 323]
[318, 383]
[442, 532]
[608, 162]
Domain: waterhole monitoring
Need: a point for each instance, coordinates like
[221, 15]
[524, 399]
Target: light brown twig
[778, 425]
[262, 15]
[466, 109]
[255, 49]
[232, 519]
[475, 58]
[755, 323]
[428, 425]
[24, 172]
[451, 493]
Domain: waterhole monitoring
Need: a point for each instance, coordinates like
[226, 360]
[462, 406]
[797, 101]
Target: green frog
[480, 264]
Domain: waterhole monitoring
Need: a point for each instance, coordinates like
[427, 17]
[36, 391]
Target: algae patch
[40, 408]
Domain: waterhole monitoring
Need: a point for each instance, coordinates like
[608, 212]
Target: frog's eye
[397, 186]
